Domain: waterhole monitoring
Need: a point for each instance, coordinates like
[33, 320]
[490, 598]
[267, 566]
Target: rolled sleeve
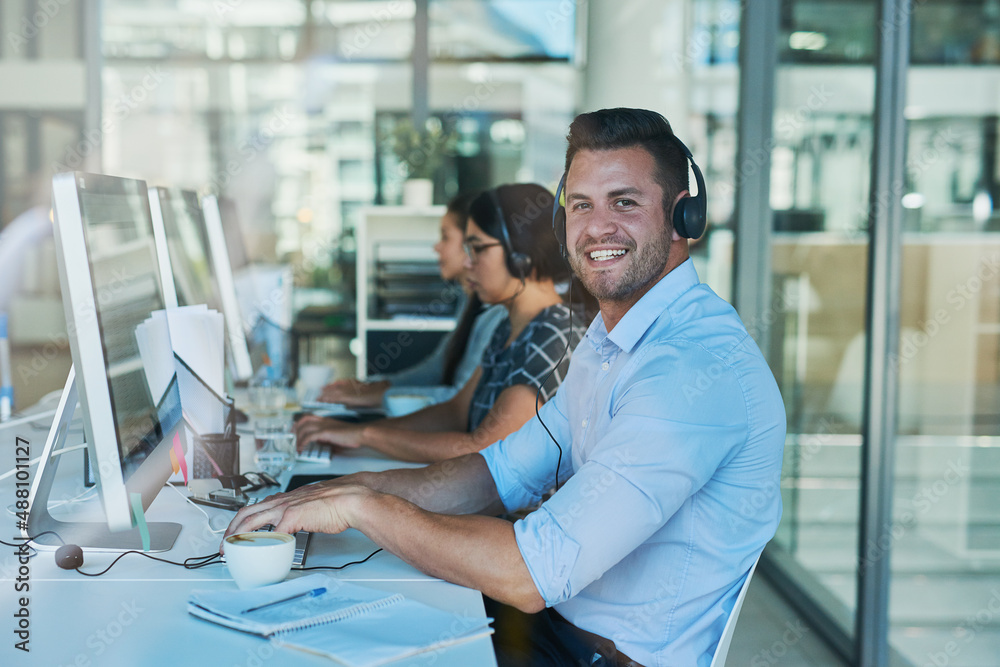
[596, 519]
[523, 464]
[550, 554]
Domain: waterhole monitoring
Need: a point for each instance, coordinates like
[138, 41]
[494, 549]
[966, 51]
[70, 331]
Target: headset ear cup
[680, 218]
[559, 228]
[559, 218]
[691, 212]
[519, 265]
[694, 220]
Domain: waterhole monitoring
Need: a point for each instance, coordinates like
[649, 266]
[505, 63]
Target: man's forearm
[406, 445]
[456, 486]
[474, 551]
[437, 417]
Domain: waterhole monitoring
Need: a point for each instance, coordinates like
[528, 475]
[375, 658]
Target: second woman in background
[514, 260]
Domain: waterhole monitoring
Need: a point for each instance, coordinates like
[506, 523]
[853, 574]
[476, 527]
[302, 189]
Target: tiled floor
[770, 633]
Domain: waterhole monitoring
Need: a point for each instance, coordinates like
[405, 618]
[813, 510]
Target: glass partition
[285, 107]
[945, 536]
[820, 177]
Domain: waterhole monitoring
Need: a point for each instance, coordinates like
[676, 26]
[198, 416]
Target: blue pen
[316, 592]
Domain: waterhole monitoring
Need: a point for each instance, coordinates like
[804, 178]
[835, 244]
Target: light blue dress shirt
[672, 429]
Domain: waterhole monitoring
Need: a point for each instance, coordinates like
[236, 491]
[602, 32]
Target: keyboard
[302, 539]
[317, 452]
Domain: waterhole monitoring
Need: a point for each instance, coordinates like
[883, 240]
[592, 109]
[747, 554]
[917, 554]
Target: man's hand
[311, 428]
[326, 507]
[354, 393]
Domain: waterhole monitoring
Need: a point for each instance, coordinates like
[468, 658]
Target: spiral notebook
[351, 624]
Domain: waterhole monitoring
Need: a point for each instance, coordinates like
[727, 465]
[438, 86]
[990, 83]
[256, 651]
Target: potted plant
[421, 153]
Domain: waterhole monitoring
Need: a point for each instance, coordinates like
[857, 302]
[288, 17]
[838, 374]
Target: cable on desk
[208, 519]
[192, 563]
[26, 542]
[340, 567]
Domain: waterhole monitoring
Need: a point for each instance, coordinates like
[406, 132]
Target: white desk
[136, 615]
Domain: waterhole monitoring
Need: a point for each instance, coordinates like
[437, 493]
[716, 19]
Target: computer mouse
[69, 557]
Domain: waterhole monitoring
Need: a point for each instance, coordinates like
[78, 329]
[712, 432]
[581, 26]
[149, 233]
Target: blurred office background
[292, 109]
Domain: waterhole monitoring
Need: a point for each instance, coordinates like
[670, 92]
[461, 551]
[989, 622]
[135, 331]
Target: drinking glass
[275, 445]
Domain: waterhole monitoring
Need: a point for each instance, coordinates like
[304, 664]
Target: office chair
[722, 650]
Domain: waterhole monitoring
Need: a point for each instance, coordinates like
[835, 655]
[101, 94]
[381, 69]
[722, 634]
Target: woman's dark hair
[527, 211]
[611, 129]
[459, 207]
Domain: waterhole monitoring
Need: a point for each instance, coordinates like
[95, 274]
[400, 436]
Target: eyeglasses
[472, 251]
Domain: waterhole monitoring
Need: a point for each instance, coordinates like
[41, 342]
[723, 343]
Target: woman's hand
[311, 428]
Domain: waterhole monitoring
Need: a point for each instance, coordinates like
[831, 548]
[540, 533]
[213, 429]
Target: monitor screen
[126, 291]
[194, 265]
[123, 363]
[236, 246]
[194, 272]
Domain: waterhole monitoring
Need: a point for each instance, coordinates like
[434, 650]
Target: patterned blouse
[527, 360]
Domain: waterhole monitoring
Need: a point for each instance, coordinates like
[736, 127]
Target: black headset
[689, 217]
[518, 263]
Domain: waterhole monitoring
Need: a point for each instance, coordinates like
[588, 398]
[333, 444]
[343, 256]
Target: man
[670, 432]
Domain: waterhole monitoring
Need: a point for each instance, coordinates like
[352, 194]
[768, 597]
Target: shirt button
[584, 423]
[605, 366]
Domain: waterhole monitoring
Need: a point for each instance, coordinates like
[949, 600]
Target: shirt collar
[634, 324]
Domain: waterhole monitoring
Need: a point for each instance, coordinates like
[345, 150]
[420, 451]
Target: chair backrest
[722, 650]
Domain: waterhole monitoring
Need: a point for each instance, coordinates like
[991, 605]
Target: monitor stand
[90, 536]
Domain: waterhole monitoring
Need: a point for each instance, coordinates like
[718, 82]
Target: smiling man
[664, 444]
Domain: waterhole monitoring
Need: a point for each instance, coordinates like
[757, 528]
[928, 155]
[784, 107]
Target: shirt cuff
[512, 493]
[549, 553]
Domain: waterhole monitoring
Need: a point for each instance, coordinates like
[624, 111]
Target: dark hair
[611, 129]
[527, 209]
[459, 207]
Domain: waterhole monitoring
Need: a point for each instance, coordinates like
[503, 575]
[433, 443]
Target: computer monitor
[194, 266]
[126, 384]
[236, 246]
[263, 293]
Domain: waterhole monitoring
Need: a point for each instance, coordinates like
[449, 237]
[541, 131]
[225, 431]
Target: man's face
[616, 236]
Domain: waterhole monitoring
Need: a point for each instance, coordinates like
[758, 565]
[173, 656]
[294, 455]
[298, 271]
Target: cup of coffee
[258, 559]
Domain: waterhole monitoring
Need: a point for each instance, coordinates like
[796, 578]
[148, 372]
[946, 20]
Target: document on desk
[351, 624]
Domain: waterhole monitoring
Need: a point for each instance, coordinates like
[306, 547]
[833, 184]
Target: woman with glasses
[514, 260]
[447, 369]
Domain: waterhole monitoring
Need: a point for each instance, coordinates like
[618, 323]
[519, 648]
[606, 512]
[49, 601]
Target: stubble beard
[645, 265]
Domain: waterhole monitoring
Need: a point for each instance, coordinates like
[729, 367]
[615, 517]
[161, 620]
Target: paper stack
[196, 335]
